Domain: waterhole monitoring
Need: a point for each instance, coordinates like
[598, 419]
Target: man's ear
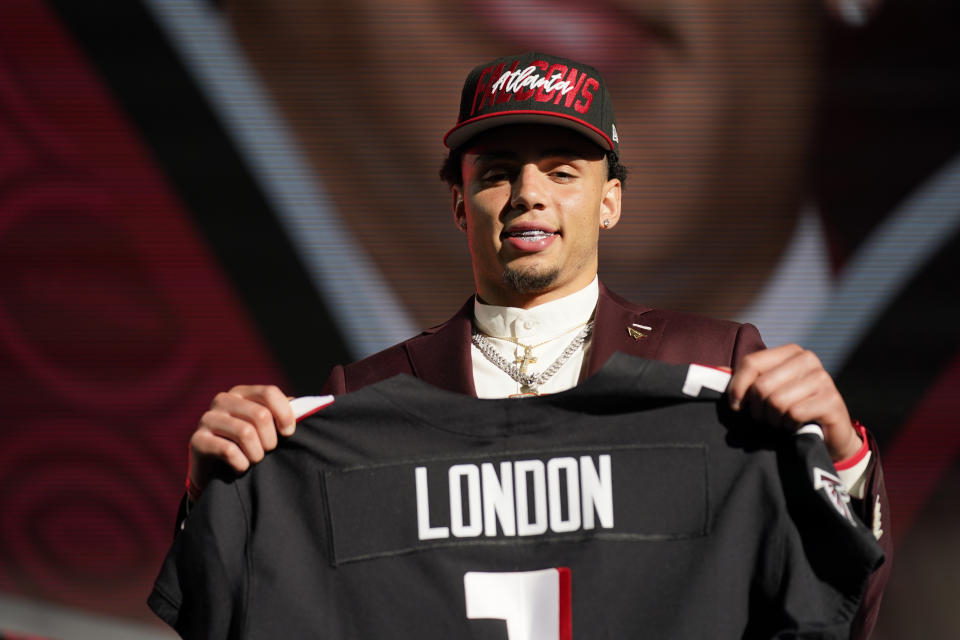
[610, 204]
[459, 210]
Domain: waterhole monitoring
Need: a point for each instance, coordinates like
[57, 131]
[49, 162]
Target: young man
[535, 178]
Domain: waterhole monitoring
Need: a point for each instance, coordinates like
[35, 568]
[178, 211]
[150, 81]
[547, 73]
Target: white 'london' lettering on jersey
[569, 494]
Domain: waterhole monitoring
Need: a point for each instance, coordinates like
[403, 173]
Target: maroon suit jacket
[441, 356]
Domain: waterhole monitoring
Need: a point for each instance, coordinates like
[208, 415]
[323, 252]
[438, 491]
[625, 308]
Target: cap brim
[469, 128]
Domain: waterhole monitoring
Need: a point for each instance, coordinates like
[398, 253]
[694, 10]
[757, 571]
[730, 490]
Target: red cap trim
[531, 112]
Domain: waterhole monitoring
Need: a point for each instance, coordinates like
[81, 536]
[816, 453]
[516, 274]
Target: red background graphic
[113, 332]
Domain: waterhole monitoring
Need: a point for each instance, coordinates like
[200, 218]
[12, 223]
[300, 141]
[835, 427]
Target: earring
[462, 224]
[606, 223]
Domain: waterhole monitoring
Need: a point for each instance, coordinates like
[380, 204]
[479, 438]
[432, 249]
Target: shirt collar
[543, 321]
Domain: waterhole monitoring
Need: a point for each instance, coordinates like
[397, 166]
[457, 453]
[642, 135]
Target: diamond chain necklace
[529, 383]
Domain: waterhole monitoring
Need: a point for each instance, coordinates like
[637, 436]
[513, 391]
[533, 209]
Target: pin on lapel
[634, 330]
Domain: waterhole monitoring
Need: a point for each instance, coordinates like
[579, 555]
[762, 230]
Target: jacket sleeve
[874, 511]
[336, 383]
[748, 340]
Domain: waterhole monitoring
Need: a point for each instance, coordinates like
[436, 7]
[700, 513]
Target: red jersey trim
[861, 453]
[314, 410]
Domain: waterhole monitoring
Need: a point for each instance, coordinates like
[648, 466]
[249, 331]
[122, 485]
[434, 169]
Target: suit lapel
[622, 326]
[442, 355]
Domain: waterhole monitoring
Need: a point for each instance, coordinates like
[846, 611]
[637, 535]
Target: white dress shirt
[550, 326]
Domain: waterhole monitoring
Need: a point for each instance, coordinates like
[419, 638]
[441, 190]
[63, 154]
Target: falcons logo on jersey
[836, 492]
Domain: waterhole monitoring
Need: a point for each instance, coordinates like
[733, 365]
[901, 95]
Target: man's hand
[240, 427]
[788, 387]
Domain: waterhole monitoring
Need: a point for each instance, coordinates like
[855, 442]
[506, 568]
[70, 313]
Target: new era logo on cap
[535, 87]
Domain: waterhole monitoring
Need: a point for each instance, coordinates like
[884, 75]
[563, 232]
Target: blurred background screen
[200, 194]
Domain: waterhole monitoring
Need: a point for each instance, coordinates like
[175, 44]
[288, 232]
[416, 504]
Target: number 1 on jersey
[536, 605]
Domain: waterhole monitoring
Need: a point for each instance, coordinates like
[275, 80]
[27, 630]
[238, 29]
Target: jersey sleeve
[873, 509]
[838, 546]
[202, 586]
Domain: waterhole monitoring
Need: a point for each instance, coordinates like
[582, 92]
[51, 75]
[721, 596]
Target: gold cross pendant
[525, 359]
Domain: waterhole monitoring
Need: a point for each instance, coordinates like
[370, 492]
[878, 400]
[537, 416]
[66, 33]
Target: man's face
[534, 198]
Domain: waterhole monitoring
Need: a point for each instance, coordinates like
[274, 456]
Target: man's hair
[450, 171]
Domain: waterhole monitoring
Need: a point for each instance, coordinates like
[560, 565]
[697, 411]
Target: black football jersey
[634, 505]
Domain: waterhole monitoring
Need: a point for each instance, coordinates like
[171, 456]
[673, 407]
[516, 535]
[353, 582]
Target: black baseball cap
[540, 88]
